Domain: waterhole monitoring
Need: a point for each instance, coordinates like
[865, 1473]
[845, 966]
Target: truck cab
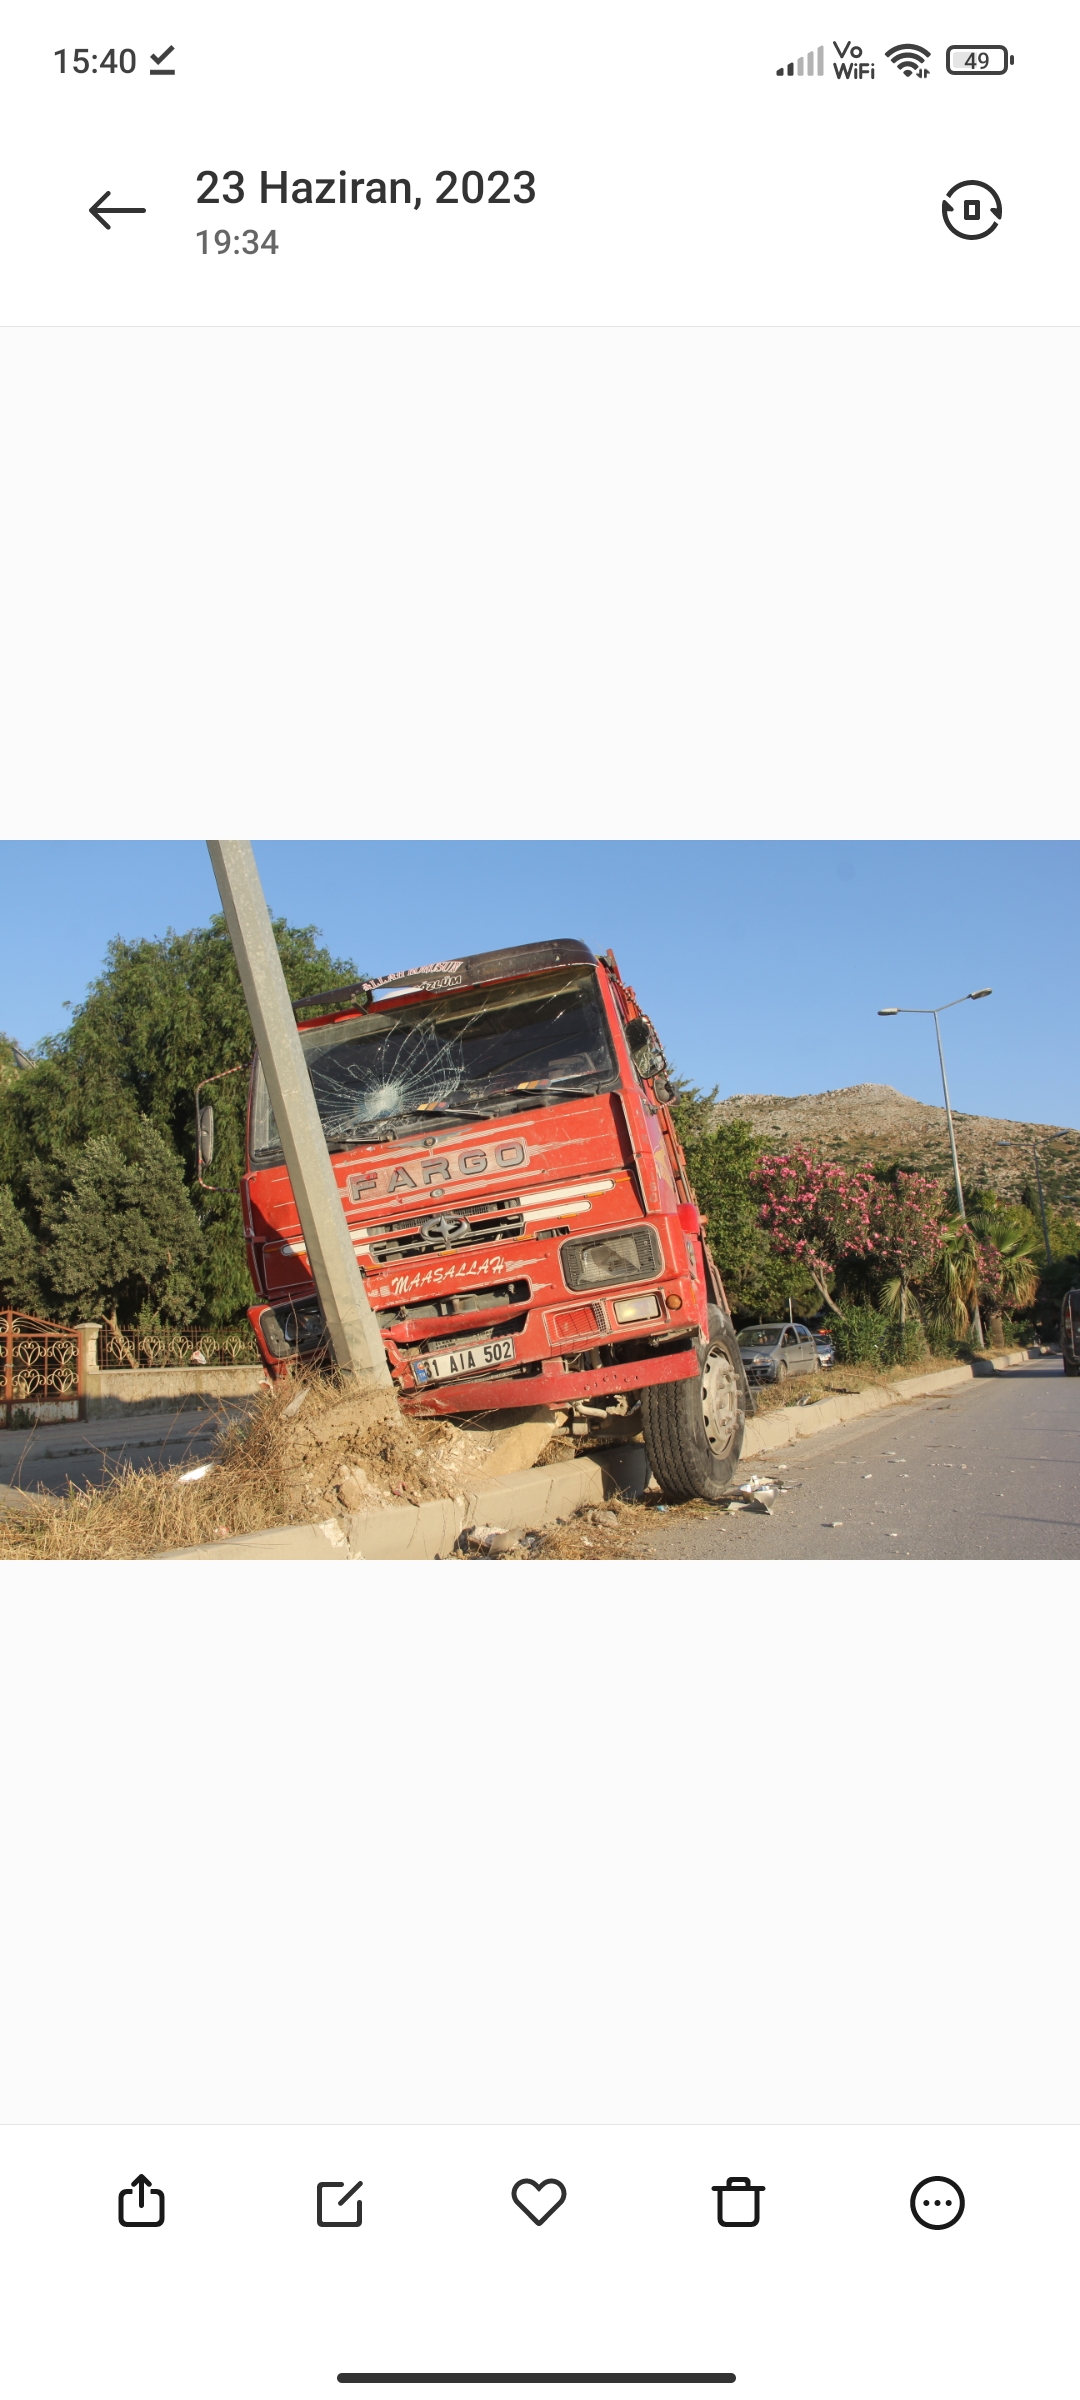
[517, 1199]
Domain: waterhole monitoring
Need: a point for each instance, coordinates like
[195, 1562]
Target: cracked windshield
[463, 1056]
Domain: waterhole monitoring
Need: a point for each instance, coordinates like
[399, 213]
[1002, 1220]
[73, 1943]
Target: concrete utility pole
[1042, 1207]
[355, 1340]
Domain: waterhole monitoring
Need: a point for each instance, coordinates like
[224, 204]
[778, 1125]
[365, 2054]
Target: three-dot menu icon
[937, 2202]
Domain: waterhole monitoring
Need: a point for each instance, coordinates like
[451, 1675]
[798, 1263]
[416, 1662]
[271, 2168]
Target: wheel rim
[719, 1400]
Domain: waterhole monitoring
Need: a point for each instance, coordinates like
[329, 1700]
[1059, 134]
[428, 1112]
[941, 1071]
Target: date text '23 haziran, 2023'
[498, 187]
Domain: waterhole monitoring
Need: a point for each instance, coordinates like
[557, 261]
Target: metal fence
[178, 1346]
[42, 1362]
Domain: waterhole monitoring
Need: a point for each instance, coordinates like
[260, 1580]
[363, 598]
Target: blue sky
[762, 963]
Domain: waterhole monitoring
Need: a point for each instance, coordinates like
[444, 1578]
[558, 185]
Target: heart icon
[539, 2206]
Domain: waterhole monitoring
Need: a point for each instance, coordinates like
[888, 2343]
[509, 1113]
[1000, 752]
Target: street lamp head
[888, 1012]
[983, 995]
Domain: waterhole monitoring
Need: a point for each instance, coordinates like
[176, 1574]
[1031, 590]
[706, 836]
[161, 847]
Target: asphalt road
[989, 1471]
[51, 1457]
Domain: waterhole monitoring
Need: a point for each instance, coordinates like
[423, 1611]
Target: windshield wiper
[586, 1084]
[491, 1104]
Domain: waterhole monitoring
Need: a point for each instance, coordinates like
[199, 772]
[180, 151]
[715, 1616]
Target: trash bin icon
[738, 2201]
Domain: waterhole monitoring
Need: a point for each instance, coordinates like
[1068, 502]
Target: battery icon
[991, 59]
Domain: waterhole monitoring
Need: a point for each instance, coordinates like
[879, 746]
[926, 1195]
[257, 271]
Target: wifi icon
[910, 57]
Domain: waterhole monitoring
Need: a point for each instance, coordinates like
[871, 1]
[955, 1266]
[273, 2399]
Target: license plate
[452, 1363]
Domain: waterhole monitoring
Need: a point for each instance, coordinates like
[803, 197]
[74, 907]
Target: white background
[678, 180]
[677, 1844]
[491, 584]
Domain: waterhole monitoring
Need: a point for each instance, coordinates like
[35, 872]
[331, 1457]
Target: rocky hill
[872, 1121]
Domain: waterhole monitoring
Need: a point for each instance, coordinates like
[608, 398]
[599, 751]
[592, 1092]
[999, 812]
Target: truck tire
[694, 1430]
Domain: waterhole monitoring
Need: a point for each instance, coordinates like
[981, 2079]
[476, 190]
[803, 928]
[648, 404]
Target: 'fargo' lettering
[428, 1172]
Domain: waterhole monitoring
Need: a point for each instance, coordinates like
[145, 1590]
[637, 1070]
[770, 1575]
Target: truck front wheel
[694, 1430]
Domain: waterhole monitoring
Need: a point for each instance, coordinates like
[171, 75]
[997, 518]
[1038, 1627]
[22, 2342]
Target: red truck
[518, 1202]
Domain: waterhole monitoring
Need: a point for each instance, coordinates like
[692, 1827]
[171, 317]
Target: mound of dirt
[337, 1452]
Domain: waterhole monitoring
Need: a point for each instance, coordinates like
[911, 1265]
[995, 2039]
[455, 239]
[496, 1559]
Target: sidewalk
[49, 1455]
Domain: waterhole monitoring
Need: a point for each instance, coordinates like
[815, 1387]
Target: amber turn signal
[674, 1299]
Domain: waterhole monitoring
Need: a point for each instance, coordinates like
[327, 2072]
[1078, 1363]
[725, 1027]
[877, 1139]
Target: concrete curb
[998, 1362]
[533, 1496]
[781, 1426]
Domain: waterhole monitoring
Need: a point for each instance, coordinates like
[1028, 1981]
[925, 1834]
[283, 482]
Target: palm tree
[954, 1285]
[1015, 1237]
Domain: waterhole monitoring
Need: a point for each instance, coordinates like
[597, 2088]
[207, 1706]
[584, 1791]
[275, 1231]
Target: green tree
[161, 1016]
[720, 1159]
[13, 1061]
[20, 1283]
[126, 1241]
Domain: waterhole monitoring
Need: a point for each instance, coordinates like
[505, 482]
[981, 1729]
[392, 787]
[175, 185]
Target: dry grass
[277, 1466]
[830, 1382]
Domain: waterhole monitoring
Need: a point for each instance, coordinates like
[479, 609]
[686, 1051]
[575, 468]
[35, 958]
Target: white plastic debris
[833, 1524]
[195, 1474]
[479, 1538]
[295, 1406]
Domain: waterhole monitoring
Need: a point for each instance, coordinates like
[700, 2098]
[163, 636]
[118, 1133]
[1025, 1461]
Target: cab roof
[450, 975]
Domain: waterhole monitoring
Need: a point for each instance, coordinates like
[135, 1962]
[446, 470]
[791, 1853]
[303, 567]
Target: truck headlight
[631, 1257]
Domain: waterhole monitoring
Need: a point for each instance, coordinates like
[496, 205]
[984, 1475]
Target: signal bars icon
[806, 66]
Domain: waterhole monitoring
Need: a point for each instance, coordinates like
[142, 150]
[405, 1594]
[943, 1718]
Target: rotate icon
[972, 210]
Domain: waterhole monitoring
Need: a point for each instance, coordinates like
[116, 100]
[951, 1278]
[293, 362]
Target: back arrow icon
[99, 210]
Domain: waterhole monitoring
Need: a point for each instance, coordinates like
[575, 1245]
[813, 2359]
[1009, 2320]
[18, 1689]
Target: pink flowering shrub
[816, 1211]
[822, 1213]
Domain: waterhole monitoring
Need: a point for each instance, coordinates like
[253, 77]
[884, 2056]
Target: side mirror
[663, 1090]
[204, 1135]
[638, 1037]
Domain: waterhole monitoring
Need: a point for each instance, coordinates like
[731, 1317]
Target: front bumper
[554, 1387]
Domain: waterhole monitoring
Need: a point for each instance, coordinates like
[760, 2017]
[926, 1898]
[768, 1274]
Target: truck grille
[448, 1229]
[458, 1304]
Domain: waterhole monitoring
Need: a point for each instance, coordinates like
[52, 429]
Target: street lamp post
[936, 1013]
